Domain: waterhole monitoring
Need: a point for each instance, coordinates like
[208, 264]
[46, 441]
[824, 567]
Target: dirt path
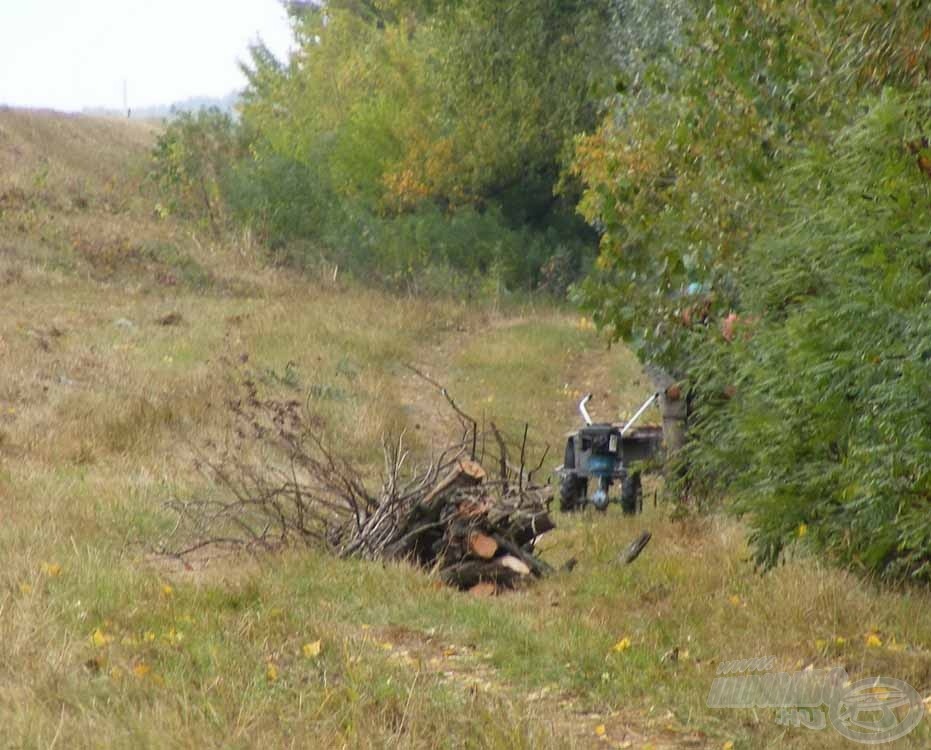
[421, 397]
[468, 669]
[617, 383]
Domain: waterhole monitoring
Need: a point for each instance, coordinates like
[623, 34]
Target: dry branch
[277, 483]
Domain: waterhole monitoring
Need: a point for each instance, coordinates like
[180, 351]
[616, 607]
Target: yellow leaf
[312, 650]
[729, 745]
[148, 636]
[802, 529]
[820, 644]
[167, 591]
[99, 638]
[621, 646]
[840, 641]
[873, 641]
[52, 570]
[173, 636]
[271, 672]
[141, 670]
[601, 730]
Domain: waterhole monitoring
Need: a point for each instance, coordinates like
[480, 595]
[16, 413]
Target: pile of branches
[277, 482]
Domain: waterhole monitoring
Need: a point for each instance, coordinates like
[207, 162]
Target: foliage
[838, 298]
[189, 161]
[404, 136]
[799, 329]
[683, 173]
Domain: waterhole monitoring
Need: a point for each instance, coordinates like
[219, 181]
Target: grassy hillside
[115, 329]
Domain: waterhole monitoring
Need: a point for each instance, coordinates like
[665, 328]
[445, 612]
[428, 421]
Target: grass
[102, 644]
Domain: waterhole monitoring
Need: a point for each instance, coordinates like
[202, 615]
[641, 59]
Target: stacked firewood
[278, 482]
[477, 533]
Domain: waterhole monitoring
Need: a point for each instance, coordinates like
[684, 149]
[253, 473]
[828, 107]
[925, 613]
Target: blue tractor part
[602, 452]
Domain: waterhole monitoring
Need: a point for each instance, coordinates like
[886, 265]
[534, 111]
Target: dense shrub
[190, 161]
[828, 431]
[763, 236]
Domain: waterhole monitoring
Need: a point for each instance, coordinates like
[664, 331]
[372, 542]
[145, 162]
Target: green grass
[103, 644]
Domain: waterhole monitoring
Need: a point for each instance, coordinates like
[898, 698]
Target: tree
[190, 159]
[799, 330]
[403, 113]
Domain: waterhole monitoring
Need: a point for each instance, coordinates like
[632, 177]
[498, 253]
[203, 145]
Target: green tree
[684, 170]
[829, 427]
[799, 328]
[402, 114]
[189, 162]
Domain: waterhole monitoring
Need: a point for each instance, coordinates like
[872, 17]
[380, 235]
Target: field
[117, 327]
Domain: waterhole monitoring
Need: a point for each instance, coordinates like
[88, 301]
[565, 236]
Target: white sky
[71, 54]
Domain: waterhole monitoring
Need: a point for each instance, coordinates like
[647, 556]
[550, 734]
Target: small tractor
[604, 452]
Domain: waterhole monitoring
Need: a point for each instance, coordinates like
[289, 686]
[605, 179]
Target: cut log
[536, 565]
[473, 470]
[514, 563]
[486, 588]
[466, 473]
[466, 574]
[474, 532]
[482, 545]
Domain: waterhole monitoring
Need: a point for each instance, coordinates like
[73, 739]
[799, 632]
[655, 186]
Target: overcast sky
[71, 54]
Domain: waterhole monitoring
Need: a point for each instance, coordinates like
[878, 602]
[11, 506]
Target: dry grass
[102, 647]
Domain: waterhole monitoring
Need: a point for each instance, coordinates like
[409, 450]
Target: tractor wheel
[571, 491]
[632, 495]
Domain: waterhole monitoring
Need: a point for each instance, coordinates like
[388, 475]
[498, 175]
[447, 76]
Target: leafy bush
[762, 236]
[410, 139]
[465, 250]
[714, 101]
[828, 432]
[190, 160]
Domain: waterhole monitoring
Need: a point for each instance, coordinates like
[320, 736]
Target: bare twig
[278, 482]
[461, 414]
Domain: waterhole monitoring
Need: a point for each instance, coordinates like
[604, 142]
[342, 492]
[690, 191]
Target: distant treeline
[422, 143]
[191, 105]
[739, 190]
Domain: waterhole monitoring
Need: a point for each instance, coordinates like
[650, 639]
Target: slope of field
[117, 328]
